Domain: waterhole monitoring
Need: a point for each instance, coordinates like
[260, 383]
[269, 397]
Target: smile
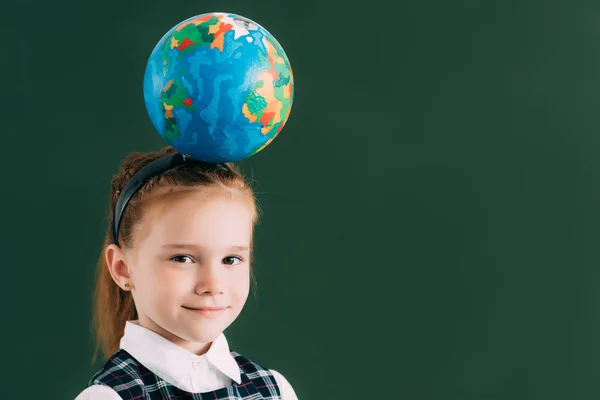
[210, 312]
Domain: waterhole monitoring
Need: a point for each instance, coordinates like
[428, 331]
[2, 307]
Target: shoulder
[255, 370]
[120, 361]
[249, 366]
[120, 374]
[98, 392]
[287, 392]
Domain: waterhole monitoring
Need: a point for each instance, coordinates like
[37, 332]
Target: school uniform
[147, 367]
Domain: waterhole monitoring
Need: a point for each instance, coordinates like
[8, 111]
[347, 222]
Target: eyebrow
[197, 247]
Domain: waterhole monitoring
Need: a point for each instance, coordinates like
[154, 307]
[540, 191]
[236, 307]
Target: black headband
[141, 177]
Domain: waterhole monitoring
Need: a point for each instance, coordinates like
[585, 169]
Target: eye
[182, 259]
[232, 260]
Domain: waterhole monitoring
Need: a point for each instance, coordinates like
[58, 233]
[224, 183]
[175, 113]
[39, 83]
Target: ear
[117, 265]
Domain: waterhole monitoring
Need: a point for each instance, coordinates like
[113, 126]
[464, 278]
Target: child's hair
[112, 305]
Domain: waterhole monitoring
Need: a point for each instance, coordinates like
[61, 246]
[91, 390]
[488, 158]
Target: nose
[210, 280]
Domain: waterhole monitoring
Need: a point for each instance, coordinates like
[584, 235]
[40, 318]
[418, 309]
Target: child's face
[190, 266]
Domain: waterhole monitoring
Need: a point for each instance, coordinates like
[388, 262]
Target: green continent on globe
[192, 35]
[173, 94]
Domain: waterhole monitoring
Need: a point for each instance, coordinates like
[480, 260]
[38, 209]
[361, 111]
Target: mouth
[209, 312]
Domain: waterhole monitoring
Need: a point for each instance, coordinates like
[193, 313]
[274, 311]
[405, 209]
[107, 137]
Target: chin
[203, 334]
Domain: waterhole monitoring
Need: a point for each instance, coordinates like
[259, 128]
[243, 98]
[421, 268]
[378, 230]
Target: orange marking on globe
[246, 111]
[168, 112]
[168, 85]
[219, 39]
[274, 108]
[218, 42]
[267, 117]
[277, 118]
[224, 28]
[273, 71]
[174, 43]
[287, 90]
[267, 91]
[186, 42]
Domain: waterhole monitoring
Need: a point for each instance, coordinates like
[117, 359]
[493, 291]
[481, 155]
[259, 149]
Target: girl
[173, 275]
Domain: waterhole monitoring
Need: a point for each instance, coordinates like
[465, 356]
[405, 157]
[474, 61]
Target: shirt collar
[171, 362]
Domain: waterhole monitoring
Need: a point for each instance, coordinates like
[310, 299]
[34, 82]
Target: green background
[430, 212]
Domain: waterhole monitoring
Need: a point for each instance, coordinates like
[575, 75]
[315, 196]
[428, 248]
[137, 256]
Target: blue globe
[218, 87]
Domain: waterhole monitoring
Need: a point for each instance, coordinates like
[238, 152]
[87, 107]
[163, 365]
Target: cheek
[162, 283]
[241, 286]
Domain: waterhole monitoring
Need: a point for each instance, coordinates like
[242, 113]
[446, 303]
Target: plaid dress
[132, 381]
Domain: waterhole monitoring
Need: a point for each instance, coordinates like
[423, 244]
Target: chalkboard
[430, 213]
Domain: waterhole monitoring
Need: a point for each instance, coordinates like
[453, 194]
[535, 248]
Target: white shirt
[181, 368]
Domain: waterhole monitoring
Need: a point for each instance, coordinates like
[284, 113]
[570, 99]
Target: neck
[198, 348]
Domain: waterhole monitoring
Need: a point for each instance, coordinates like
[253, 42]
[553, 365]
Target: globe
[218, 87]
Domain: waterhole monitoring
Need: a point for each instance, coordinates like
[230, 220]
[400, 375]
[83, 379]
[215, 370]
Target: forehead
[211, 218]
